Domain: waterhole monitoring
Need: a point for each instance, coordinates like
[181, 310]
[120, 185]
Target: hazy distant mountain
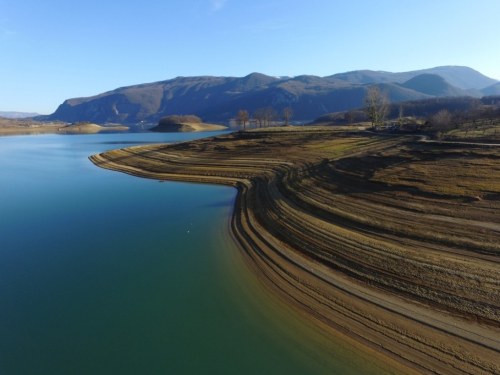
[492, 90]
[434, 85]
[219, 98]
[206, 97]
[370, 76]
[459, 76]
[17, 114]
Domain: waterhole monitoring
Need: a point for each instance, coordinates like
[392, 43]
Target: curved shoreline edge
[333, 263]
[187, 127]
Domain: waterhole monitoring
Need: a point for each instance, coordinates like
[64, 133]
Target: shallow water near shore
[105, 273]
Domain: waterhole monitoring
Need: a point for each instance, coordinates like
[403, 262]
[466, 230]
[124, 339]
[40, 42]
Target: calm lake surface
[105, 273]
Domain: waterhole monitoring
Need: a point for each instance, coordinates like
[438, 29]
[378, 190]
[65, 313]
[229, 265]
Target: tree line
[436, 114]
[263, 116]
[478, 117]
[439, 115]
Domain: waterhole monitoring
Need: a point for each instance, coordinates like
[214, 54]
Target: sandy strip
[58, 129]
[189, 127]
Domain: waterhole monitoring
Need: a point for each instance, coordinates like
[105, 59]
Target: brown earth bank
[89, 128]
[389, 240]
[187, 127]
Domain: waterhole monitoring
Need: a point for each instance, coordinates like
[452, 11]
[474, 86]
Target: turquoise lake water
[105, 273]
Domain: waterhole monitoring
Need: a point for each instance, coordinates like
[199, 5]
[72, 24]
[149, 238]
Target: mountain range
[218, 99]
[17, 114]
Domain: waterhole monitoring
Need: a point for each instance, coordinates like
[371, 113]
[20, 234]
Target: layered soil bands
[391, 241]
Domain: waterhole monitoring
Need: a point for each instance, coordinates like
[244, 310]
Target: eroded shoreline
[371, 260]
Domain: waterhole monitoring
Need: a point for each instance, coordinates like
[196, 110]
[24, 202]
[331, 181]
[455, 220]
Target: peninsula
[389, 240]
[190, 123]
[89, 128]
[30, 126]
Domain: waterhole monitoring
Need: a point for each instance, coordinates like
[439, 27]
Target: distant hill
[459, 76]
[492, 90]
[18, 114]
[218, 99]
[434, 85]
[370, 76]
[399, 93]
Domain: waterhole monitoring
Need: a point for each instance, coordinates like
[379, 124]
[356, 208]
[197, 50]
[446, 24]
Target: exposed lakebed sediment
[391, 241]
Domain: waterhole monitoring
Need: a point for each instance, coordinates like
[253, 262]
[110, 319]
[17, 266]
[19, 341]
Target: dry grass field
[392, 241]
[484, 131]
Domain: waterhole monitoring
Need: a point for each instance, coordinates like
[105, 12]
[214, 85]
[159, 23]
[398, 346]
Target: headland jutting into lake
[389, 240]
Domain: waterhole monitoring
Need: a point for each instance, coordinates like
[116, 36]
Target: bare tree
[400, 117]
[442, 119]
[376, 105]
[287, 114]
[270, 115]
[242, 117]
[349, 117]
[441, 122]
[489, 112]
[260, 116]
[458, 119]
[466, 126]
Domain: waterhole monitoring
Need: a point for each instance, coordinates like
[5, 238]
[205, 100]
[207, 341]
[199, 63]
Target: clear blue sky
[53, 50]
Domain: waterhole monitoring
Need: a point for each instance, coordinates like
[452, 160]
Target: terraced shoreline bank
[391, 241]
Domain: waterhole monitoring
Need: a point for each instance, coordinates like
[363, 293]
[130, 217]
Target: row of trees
[263, 116]
[441, 114]
[471, 119]
[424, 108]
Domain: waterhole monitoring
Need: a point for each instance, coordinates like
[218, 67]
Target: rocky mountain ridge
[217, 99]
[12, 114]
